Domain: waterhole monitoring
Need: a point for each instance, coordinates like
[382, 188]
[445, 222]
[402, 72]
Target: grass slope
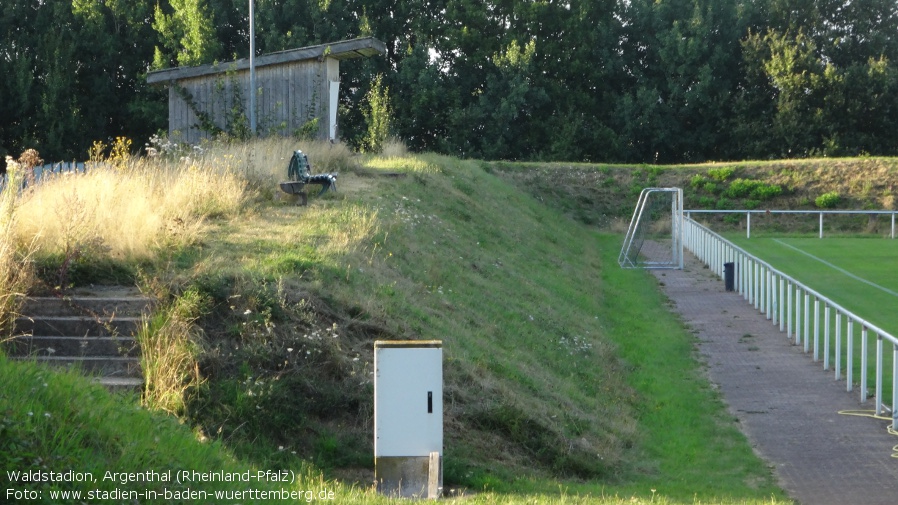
[566, 378]
[54, 423]
[605, 195]
[550, 359]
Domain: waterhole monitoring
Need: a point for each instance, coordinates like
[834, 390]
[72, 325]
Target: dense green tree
[830, 71]
[599, 80]
[73, 75]
[683, 56]
[187, 34]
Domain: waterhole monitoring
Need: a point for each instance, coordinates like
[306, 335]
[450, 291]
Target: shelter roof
[342, 50]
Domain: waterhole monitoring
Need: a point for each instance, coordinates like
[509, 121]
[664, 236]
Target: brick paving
[786, 404]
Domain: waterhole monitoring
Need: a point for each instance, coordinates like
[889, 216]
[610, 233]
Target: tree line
[579, 80]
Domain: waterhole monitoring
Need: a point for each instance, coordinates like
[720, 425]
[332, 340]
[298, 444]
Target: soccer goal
[655, 236]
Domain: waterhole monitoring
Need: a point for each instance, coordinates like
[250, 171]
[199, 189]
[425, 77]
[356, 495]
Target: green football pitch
[859, 274]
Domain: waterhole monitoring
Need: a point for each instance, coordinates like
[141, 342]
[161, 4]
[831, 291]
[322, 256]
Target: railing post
[816, 329]
[752, 287]
[807, 321]
[789, 310]
[718, 253]
[821, 225]
[752, 282]
[838, 344]
[826, 336]
[879, 376]
[849, 357]
[798, 314]
[864, 336]
[894, 386]
[748, 224]
[779, 303]
[704, 245]
[759, 287]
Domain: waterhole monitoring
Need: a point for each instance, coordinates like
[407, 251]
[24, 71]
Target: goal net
[655, 236]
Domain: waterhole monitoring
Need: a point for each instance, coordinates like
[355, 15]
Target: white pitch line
[846, 272]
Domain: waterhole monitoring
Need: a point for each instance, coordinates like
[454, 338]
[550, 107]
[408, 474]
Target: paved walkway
[786, 404]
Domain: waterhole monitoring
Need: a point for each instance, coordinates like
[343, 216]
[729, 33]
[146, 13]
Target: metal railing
[796, 308]
[819, 213]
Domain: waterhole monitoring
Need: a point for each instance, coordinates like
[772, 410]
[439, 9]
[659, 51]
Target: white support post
[748, 224]
[680, 226]
[807, 321]
[838, 344]
[849, 357]
[879, 376]
[789, 290]
[252, 68]
[894, 386]
[780, 305]
[826, 334]
[821, 225]
[816, 329]
[756, 286]
[864, 335]
[798, 315]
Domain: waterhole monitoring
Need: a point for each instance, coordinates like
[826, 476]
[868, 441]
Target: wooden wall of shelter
[293, 88]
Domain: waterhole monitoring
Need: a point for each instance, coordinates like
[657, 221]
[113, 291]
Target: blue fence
[44, 172]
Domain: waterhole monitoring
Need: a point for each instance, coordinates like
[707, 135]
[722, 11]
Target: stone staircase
[91, 329]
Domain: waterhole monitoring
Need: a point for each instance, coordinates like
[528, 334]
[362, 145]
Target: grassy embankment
[565, 376]
[604, 195]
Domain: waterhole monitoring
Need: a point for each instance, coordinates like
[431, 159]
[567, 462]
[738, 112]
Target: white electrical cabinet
[408, 416]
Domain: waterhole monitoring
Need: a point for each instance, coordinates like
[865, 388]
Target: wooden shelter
[296, 90]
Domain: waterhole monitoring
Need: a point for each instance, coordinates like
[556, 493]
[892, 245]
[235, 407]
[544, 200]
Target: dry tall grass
[169, 344]
[15, 271]
[128, 214]
[132, 212]
[264, 161]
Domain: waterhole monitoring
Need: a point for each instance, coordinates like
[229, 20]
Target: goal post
[655, 236]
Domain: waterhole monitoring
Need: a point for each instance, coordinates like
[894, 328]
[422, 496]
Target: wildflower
[30, 159]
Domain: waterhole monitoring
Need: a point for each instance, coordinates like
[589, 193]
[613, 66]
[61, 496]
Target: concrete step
[89, 329]
[77, 325]
[87, 306]
[40, 345]
[98, 366]
[121, 384]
